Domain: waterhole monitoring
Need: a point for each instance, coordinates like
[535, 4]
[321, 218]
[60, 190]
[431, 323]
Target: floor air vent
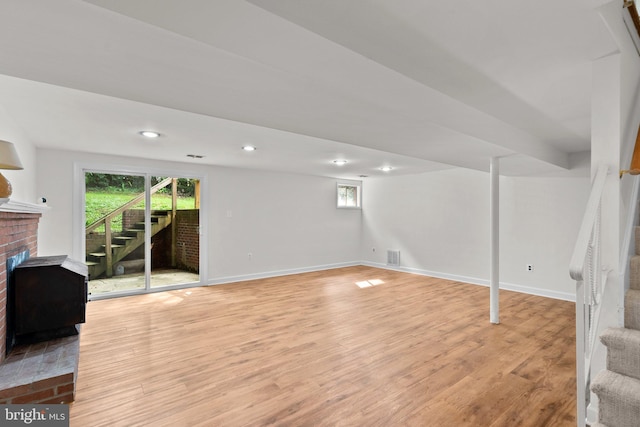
[393, 257]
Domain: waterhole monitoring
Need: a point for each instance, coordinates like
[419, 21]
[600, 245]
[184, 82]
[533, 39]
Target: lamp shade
[9, 156]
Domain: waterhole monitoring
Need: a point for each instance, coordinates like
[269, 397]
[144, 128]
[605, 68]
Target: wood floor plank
[315, 349]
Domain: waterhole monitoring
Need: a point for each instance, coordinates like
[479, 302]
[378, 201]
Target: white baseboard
[265, 275]
[464, 279]
[275, 273]
[565, 296]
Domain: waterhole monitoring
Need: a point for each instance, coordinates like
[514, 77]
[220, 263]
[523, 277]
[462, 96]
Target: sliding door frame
[79, 242]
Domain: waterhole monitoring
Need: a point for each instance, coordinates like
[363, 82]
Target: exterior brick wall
[18, 232]
[161, 249]
[94, 242]
[131, 216]
[188, 239]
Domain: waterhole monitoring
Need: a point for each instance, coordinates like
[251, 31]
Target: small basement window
[349, 196]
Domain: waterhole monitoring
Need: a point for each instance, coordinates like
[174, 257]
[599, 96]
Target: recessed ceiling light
[340, 162]
[195, 156]
[249, 148]
[149, 133]
[386, 168]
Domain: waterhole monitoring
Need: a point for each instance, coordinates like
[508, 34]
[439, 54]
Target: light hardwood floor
[314, 349]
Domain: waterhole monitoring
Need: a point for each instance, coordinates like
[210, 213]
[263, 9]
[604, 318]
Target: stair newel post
[107, 247]
[494, 279]
[174, 204]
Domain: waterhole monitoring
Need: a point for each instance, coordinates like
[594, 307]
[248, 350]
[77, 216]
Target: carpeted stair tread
[632, 309]
[623, 351]
[634, 272]
[618, 387]
[619, 398]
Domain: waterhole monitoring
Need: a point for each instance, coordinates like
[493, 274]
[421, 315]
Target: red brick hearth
[44, 372]
[40, 373]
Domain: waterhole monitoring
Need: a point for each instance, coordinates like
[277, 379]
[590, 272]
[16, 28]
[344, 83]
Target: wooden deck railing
[140, 197]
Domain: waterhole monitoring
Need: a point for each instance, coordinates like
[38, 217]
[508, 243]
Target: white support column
[494, 275]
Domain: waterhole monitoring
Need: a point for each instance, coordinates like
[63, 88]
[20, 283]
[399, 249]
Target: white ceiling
[416, 84]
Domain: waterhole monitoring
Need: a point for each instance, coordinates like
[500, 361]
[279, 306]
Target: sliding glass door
[175, 225]
[115, 232]
[142, 232]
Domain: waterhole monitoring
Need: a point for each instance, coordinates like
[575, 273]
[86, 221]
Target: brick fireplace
[18, 233]
[43, 372]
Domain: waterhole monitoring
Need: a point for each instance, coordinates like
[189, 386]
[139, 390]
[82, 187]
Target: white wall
[440, 223]
[285, 221]
[615, 117]
[437, 220]
[288, 222]
[629, 122]
[539, 222]
[23, 181]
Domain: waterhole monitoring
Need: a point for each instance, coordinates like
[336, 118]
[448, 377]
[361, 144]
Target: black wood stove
[50, 297]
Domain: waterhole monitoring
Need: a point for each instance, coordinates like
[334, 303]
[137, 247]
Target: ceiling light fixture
[340, 162]
[386, 168]
[149, 134]
[249, 148]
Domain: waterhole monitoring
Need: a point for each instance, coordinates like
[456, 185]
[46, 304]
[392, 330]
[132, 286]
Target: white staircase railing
[587, 270]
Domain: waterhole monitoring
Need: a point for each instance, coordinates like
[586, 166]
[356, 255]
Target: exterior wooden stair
[118, 247]
[130, 240]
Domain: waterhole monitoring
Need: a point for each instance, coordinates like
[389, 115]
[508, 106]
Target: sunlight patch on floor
[369, 283]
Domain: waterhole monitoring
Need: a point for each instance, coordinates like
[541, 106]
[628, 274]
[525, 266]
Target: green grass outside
[99, 204]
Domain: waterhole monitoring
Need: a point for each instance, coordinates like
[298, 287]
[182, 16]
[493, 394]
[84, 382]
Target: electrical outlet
[529, 267]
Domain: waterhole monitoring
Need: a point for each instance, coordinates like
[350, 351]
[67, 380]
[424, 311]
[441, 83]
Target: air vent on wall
[393, 257]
